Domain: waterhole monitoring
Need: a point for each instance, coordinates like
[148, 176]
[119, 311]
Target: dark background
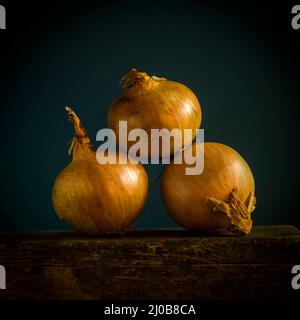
[241, 60]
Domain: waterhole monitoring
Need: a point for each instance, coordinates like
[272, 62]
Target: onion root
[238, 213]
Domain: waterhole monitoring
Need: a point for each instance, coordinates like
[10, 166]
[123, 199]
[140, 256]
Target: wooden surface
[157, 264]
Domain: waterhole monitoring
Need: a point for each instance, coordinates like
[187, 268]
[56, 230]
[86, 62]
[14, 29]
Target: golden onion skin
[96, 199]
[186, 197]
[155, 103]
[99, 199]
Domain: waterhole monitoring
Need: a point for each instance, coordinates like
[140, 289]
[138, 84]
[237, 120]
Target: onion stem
[80, 145]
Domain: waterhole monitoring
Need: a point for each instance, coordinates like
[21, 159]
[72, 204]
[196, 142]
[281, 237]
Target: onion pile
[97, 199]
[105, 198]
[155, 103]
[221, 199]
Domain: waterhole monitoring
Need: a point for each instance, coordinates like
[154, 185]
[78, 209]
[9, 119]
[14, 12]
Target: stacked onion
[155, 103]
[101, 199]
[98, 198]
[220, 199]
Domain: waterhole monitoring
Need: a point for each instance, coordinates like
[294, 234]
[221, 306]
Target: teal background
[240, 63]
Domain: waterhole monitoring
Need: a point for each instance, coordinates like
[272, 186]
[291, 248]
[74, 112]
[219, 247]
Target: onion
[97, 198]
[220, 199]
[155, 103]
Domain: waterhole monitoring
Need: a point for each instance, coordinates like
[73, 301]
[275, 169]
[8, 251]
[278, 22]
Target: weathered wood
[157, 264]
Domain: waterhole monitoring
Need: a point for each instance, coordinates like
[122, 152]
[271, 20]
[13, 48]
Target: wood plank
[217, 282]
[161, 247]
[150, 264]
[257, 231]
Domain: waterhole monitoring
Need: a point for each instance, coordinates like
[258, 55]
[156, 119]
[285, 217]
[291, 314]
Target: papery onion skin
[155, 103]
[199, 202]
[96, 199]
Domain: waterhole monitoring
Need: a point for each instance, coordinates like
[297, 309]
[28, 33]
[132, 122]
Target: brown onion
[98, 198]
[220, 199]
[155, 103]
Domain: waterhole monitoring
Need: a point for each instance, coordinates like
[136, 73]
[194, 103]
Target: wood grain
[150, 264]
